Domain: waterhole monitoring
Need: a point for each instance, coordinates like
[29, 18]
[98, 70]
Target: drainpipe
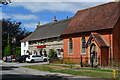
[111, 56]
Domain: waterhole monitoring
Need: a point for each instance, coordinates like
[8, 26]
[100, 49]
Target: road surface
[15, 71]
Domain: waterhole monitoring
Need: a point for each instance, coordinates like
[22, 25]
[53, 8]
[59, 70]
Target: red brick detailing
[116, 42]
[102, 53]
[104, 56]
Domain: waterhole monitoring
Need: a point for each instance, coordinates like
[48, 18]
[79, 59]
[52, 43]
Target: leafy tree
[7, 49]
[5, 2]
[12, 29]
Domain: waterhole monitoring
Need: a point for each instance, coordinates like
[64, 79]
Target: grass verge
[91, 72]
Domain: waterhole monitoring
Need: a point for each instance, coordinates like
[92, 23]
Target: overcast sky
[29, 13]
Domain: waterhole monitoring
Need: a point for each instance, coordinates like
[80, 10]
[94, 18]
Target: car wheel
[32, 61]
[45, 60]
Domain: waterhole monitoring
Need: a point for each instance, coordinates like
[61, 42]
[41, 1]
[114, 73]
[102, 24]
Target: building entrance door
[93, 55]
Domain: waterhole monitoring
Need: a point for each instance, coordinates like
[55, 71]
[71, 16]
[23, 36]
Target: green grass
[87, 73]
[94, 69]
[91, 72]
[65, 66]
[97, 69]
[43, 68]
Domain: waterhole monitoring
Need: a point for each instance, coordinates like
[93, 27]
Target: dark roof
[26, 38]
[99, 40]
[50, 30]
[100, 17]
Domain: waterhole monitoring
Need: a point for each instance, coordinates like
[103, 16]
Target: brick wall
[116, 42]
[77, 48]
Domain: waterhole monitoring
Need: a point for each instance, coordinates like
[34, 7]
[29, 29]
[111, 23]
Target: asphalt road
[14, 71]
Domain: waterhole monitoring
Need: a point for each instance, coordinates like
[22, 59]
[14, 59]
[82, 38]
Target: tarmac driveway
[21, 64]
[14, 71]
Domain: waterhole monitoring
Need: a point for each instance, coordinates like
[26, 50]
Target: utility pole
[8, 35]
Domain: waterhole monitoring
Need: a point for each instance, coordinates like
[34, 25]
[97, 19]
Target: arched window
[83, 45]
[70, 46]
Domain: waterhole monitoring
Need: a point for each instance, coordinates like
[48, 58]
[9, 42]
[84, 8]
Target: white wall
[24, 48]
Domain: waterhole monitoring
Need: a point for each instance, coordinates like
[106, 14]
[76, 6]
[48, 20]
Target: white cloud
[0, 15]
[18, 16]
[33, 25]
[30, 25]
[3, 15]
[24, 17]
[55, 6]
[63, 0]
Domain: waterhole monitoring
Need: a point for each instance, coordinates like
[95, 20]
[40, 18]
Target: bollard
[114, 73]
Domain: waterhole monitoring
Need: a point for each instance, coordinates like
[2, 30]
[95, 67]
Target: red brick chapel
[94, 33]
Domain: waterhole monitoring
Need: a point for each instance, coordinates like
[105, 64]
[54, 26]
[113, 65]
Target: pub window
[83, 45]
[58, 51]
[24, 52]
[70, 46]
[24, 43]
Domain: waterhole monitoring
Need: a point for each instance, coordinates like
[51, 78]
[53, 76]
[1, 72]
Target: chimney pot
[38, 25]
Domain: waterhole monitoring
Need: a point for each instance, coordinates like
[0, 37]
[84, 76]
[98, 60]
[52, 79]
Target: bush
[55, 61]
[84, 64]
[18, 51]
[69, 62]
[53, 56]
[7, 50]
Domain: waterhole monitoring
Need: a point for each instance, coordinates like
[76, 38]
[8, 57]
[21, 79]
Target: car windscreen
[38, 56]
[28, 56]
[24, 56]
[34, 56]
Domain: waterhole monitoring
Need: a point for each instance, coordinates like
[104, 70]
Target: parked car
[7, 59]
[22, 58]
[14, 58]
[4, 59]
[11, 58]
[36, 58]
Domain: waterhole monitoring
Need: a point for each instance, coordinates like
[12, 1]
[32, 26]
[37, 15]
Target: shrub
[52, 53]
[7, 50]
[52, 56]
[84, 64]
[18, 51]
[69, 62]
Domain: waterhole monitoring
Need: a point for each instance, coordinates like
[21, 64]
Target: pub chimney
[38, 25]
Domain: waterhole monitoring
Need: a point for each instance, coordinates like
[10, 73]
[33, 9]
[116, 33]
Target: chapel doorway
[93, 55]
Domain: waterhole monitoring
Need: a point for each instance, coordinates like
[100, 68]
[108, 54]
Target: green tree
[7, 49]
[5, 2]
[18, 51]
[12, 29]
